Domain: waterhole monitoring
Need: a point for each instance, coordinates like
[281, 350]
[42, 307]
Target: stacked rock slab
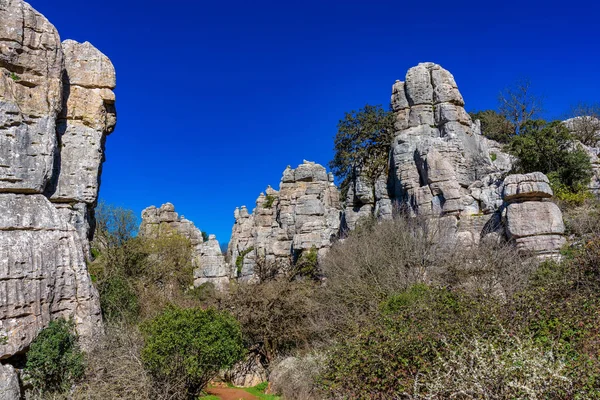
[304, 214]
[43, 273]
[532, 221]
[207, 258]
[365, 199]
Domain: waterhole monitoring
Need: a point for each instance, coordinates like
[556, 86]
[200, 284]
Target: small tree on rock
[363, 140]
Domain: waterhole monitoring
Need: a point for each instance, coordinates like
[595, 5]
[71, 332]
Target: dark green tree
[192, 345]
[550, 148]
[363, 142]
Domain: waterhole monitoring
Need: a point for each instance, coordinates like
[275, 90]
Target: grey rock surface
[9, 383]
[49, 175]
[305, 213]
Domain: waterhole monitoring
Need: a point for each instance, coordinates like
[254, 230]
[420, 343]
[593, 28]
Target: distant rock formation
[304, 214]
[56, 108]
[207, 258]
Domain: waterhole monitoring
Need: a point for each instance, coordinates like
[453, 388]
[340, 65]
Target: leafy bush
[385, 358]
[191, 344]
[118, 299]
[54, 361]
[550, 148]
[307, 264]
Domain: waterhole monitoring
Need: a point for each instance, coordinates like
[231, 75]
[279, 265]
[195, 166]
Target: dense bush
[191, 345]
[54, 360]
[550, 148]
[385, 358]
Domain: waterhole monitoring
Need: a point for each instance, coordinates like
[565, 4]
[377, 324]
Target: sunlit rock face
[304, 214]
[56, 108]
[441, 166]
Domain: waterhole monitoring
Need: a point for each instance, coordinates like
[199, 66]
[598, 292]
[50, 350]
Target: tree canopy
[363, 140]
[551, 149]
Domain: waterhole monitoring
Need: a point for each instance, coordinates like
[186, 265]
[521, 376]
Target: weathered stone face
[31, 68]
[304, 214]
[52, 137]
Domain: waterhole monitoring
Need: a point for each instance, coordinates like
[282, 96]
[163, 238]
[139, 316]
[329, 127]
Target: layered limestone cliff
[56, 108]
[304, 214]
[207, 258]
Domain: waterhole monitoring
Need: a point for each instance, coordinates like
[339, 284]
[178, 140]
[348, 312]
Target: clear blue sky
[215, 98]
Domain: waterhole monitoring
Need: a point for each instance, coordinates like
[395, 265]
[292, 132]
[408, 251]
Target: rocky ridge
[56, 108]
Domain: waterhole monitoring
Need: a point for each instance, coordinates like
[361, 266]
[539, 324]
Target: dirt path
[225, 393]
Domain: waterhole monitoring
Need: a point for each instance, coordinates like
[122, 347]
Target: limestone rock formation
[56, 107]
[213, 268]
[441, 166]
[9, 383]
[207, 258]
[304, 214]
[163, 220]
[88, 115]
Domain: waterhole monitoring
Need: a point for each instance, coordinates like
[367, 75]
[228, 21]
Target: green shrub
[118, 299]
[239, 260]
[269, 200]
[307, 264]
[192, 345]
[384, 359]
[54, 360]
[550, 148]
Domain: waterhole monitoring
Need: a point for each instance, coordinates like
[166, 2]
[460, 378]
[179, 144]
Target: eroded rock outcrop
[207, 258]
[441, 166]
[304, 214]
[53, 124]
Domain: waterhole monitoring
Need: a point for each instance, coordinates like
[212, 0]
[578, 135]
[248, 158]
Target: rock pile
[304, 214]
[56, 108]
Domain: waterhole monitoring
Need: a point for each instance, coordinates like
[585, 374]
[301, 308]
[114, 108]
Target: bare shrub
[379, 259]
[582, 220]
[115, 370]
[277, 316]
[493, 269]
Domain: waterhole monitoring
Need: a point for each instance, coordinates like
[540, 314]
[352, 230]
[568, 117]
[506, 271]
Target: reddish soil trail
[225, 393]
